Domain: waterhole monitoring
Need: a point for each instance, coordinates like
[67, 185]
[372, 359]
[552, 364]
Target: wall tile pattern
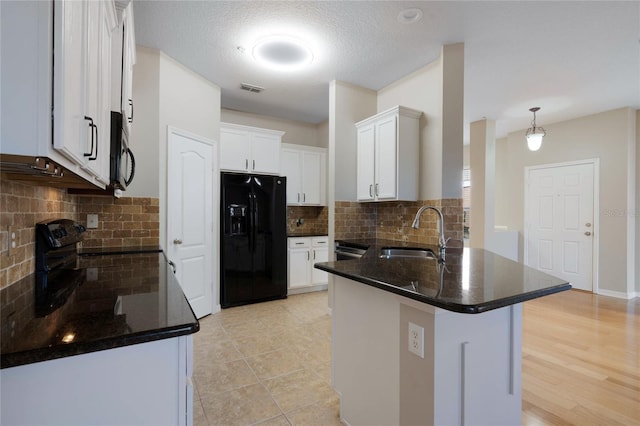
[355, 220]
[126, 222]
[22, 206]
[122, 222]
[316, 220]
[392, 221]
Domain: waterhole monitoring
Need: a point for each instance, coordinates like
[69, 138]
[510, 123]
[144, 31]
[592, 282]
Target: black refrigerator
[253, 261]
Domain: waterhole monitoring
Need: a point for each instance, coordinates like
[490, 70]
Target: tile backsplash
[316, 220]
[392, 221]
[126, 222]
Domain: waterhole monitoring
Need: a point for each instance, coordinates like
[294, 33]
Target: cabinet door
[128, 61]
[386, 158]
[299, 261]
[290, 168]
[235, 150]
[99, 163]
[365, 163]
[265, 150]
[320, 254]
[311, 178]
[72, 132]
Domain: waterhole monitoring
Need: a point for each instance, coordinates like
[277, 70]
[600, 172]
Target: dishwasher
[345, 250]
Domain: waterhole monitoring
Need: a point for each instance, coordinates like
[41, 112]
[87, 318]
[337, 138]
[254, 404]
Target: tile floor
[267, 364]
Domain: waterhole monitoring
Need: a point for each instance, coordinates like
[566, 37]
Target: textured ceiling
[571, 58]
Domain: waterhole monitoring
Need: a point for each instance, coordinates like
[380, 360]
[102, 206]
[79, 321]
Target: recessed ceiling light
[409, 16]
[282, 53]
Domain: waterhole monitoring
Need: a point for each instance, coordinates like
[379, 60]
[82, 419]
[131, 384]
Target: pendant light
[535, 134]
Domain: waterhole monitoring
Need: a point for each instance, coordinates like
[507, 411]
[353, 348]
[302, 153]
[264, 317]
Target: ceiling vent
[251, 88]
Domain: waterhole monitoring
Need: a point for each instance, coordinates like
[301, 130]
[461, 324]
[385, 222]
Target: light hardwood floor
[270, 363]
[581, 360]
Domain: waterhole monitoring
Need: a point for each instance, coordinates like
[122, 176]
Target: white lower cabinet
[303, 253]
[143, 384]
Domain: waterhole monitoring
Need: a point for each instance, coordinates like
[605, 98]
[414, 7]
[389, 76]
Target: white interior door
[559, 222]
[190, 217]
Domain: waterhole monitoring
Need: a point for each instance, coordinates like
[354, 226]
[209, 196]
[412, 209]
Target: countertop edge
[453, 307]
[17, 359]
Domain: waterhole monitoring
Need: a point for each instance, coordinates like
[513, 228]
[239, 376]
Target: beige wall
[422, 90]
[609, 136]
[145, 135]
[167, 94]
[296, 132]
[637, 211]
[348, 105]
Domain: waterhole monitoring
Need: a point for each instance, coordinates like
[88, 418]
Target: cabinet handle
[307, 256]
[95, 126]
[304, 197]
[246, 164]
[314, 255]
[298, 197]
[370, 191]
[299, 244]
[254, 164]
[377, 193]
[130, 119]
[90, 120]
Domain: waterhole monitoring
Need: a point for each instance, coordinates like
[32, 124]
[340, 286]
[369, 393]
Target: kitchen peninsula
[422, 341]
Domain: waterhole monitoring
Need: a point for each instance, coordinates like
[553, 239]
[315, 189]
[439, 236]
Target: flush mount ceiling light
[409, 16]
[535, 134]
[282, 53]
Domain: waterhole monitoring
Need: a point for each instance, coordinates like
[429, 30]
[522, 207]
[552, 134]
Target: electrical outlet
[92, 221]
[416, 339]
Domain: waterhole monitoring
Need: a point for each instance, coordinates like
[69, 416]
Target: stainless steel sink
[421, 253]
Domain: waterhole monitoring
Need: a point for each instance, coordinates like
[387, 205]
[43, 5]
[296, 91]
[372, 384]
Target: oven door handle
[348, 254]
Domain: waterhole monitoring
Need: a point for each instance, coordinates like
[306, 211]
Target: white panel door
[560, 209]
[190, 218]
[386, 158]
[320, 254]
[365, 163]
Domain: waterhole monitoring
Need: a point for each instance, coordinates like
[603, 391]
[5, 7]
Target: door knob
[177, 241]
[588, 225]
[587, 233]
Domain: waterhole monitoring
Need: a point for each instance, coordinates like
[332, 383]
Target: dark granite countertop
[110, 301]
[470, 281]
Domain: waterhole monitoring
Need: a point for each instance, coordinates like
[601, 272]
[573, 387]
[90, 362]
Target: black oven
[123, 163]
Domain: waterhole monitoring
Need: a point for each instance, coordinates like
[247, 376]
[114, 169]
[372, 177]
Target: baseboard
[309, 289]
[617, 294]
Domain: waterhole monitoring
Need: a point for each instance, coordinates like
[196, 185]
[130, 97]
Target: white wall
[637, 211]
[296, 132]
[166, 94]
[438, 91]
[144, 138]
[422, 90]
[609, 136]
[348, 104]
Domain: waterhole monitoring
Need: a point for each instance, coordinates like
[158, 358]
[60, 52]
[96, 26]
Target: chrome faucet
[442, 243]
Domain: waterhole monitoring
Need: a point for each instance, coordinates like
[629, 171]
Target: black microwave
[123, 163]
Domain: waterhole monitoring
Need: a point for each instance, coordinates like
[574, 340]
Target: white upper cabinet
[305, 169]
[82, 84]
[123, 46]
[56, 86]
[388, 148]
[249, 149]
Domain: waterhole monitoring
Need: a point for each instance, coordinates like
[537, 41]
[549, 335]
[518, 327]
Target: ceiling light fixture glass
[409, 16]
[535, 134]
[282, 53]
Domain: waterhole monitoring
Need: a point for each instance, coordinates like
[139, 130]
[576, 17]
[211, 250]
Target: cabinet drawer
[299, 242]
[320, 241]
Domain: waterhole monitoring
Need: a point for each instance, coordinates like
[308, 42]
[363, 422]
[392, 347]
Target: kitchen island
[109, 343]
[420, 341]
